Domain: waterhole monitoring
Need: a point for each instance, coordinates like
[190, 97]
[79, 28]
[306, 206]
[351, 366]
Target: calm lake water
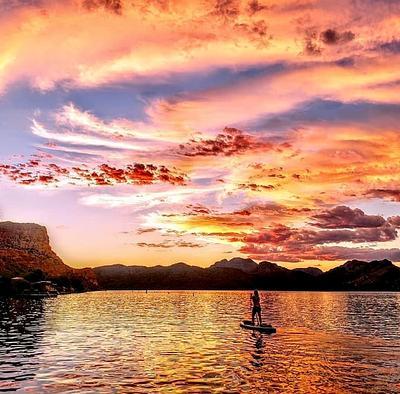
[185, 342]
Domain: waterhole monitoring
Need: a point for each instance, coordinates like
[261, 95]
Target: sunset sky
[152, 132]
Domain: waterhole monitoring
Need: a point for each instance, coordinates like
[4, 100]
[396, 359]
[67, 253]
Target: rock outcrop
[25, 249]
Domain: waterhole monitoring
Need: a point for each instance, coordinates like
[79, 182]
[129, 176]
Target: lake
[191, 342]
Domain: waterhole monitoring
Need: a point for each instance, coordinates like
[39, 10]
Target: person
[256, 310]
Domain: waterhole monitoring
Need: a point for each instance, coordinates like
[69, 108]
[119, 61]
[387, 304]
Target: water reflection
[21, 331]
[178, 342]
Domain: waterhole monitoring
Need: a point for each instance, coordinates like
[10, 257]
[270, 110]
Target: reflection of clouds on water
[21, 332]
[180, 342]
[373, 314]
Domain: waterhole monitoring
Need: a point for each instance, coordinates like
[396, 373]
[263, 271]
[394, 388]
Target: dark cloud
[366, 254]
[269, 210]
[255, 187]
[255, 6]
[311, 43]
[230, 142]
[283, 243]
[389, 194]
[345, 217]
[256, 31]
[391, 46]
[163, 245]
[325, 253]
[198, 209]
[394, 221]
[293, 236]
[333, 37]
[114, 6]
[146, 230]
[314, 42]
[170, 244]
[226, 9]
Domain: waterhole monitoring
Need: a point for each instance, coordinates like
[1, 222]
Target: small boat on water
[266, 328]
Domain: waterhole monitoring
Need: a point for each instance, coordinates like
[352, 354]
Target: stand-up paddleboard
[267, 328]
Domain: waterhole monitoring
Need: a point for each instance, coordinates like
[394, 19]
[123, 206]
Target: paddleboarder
[256, 310]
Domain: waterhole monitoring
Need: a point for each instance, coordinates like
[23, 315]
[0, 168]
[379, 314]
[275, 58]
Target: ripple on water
[180, 342]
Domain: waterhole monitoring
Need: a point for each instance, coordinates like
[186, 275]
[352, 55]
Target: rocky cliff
[25, 248]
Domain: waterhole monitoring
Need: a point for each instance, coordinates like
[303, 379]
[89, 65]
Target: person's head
[256, 292]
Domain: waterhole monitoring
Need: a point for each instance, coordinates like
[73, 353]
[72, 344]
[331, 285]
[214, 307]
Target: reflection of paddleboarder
[256, 310]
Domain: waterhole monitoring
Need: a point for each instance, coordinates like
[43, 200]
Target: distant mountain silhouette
[240, 273]
[361, 275]
[310, 270]
[176, 276]
[246, 265]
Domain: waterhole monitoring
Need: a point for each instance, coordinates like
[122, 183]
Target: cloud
[141, 231]
[276, 92]
[230, 142]
[148, 198]
[345, 217]
[229, 227]
[391, 46]
[326, 253]
[390, 194]
[129, 40]
[114, 6]
[255, 187]
[293, 236]
[333, 37]
[394, 221]
[36, 172]
[311, 45]
[366, 254]
[170, 244]
[155, 39]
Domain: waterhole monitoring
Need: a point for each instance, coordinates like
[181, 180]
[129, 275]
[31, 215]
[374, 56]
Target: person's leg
[253, 313]
[259, 316]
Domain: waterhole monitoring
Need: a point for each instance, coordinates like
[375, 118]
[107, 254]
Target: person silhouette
[256, 309]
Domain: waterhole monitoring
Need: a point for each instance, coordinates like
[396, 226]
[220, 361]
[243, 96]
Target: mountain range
[25, 249]
[239, 273]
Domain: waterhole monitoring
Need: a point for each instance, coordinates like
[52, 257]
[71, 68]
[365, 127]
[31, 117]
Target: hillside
[361, 275]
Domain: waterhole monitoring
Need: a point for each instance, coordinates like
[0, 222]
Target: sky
[152, 132]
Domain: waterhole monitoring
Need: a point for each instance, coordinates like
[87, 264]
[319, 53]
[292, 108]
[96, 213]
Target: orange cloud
[34, 172]
[149, 39]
